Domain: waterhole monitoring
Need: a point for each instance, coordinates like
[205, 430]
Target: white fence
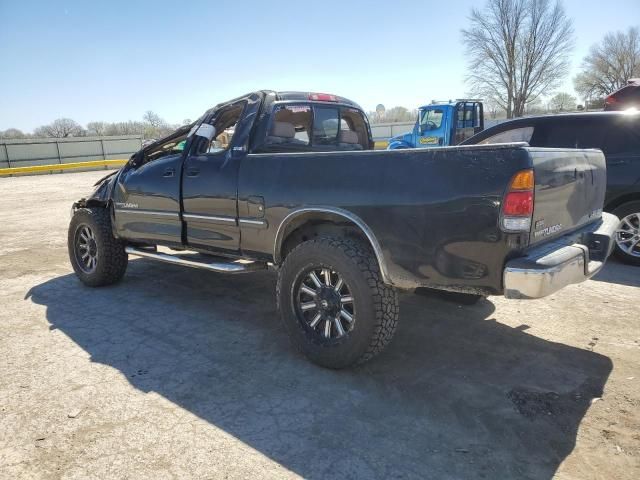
[47, 151]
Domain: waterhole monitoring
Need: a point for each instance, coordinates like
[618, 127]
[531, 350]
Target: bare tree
[60, 128]
[609, 64]
[155, 126]
[395, 114]
[517, 50]
[153, 119]
[561, 102]
[97, 129]
[493, 108]
[536, 107]
[11, 133]
[125, 128]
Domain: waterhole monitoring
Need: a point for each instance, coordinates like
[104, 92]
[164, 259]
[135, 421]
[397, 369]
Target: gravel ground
[178, 373]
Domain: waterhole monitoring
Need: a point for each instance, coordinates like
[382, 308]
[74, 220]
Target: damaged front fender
[102, 195]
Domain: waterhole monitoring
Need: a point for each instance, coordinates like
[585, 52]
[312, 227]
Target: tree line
[151, 126]
[518, 54]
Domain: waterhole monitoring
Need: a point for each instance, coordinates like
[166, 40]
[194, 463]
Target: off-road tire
[621, 212]
[376, 304]
[111, 259]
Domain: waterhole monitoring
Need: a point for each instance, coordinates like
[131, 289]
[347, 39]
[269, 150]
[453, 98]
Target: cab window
[290, 128]
[315, 128]
[431, 119]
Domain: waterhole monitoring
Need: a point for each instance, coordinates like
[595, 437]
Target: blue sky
[114, 60]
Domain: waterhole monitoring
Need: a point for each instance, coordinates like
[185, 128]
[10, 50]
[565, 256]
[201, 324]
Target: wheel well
[629, 197]
[312, 223]
[302, 229]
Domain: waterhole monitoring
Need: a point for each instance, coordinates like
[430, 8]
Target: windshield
[431, 119]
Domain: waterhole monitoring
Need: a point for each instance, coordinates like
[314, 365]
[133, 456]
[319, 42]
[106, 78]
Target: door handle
[169, 172]
[193, 172]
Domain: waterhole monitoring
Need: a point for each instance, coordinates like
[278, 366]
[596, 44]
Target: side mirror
[137, 158]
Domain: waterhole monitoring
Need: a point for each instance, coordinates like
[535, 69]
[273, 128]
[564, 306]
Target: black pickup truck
[290, 181]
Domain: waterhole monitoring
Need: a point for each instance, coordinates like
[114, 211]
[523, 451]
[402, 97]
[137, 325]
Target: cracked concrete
[178, 373]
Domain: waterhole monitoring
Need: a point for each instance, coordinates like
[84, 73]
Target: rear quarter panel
[434, 212]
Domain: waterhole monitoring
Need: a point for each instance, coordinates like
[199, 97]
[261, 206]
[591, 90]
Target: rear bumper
[572, 259]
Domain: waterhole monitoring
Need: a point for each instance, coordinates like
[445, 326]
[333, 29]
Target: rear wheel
[628, 233]
[96, 256]
[333, 302]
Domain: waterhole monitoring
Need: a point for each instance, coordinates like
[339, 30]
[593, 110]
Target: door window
[623, 139]
[224, 122]
[171, 145]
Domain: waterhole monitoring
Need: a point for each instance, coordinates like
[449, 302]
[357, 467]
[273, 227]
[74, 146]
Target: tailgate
[569, 190]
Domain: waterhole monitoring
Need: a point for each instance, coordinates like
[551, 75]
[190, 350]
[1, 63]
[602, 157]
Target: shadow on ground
[457, 395]
[617, 272]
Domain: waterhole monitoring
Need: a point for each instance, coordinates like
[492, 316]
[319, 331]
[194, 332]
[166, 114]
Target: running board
[198, 260]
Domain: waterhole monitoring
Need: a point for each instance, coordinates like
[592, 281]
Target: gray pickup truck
[291, 181]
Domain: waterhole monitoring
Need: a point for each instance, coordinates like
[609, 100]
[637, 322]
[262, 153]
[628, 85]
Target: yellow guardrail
[62, 166]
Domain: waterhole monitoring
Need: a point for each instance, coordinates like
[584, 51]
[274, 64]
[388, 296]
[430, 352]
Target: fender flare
[398, 145]
[351, 217]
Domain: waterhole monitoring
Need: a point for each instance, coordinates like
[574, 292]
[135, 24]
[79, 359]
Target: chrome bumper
[554, 265]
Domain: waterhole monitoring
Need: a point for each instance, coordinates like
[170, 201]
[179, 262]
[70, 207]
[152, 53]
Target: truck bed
[434, 213]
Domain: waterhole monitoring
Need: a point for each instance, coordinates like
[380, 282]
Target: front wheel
[333, 302]
[96, 256]
[628, 233]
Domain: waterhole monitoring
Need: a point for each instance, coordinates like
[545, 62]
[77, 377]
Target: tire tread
[385, 297]
[115, 259]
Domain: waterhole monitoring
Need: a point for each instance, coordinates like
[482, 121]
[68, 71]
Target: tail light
[517, 205]
[610, 100]
[323, 97]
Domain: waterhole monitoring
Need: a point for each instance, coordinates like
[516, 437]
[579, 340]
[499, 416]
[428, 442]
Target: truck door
[209, 184]
[147, 194]
[431, 127]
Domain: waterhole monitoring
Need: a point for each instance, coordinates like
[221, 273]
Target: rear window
[326, 123]
[522, 134]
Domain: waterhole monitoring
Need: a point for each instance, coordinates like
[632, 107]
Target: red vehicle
[625, 98]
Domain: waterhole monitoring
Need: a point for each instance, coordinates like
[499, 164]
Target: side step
[198, 260]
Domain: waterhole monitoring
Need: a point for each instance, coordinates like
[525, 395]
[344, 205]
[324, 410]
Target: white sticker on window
[207, 131]
[298, 108]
